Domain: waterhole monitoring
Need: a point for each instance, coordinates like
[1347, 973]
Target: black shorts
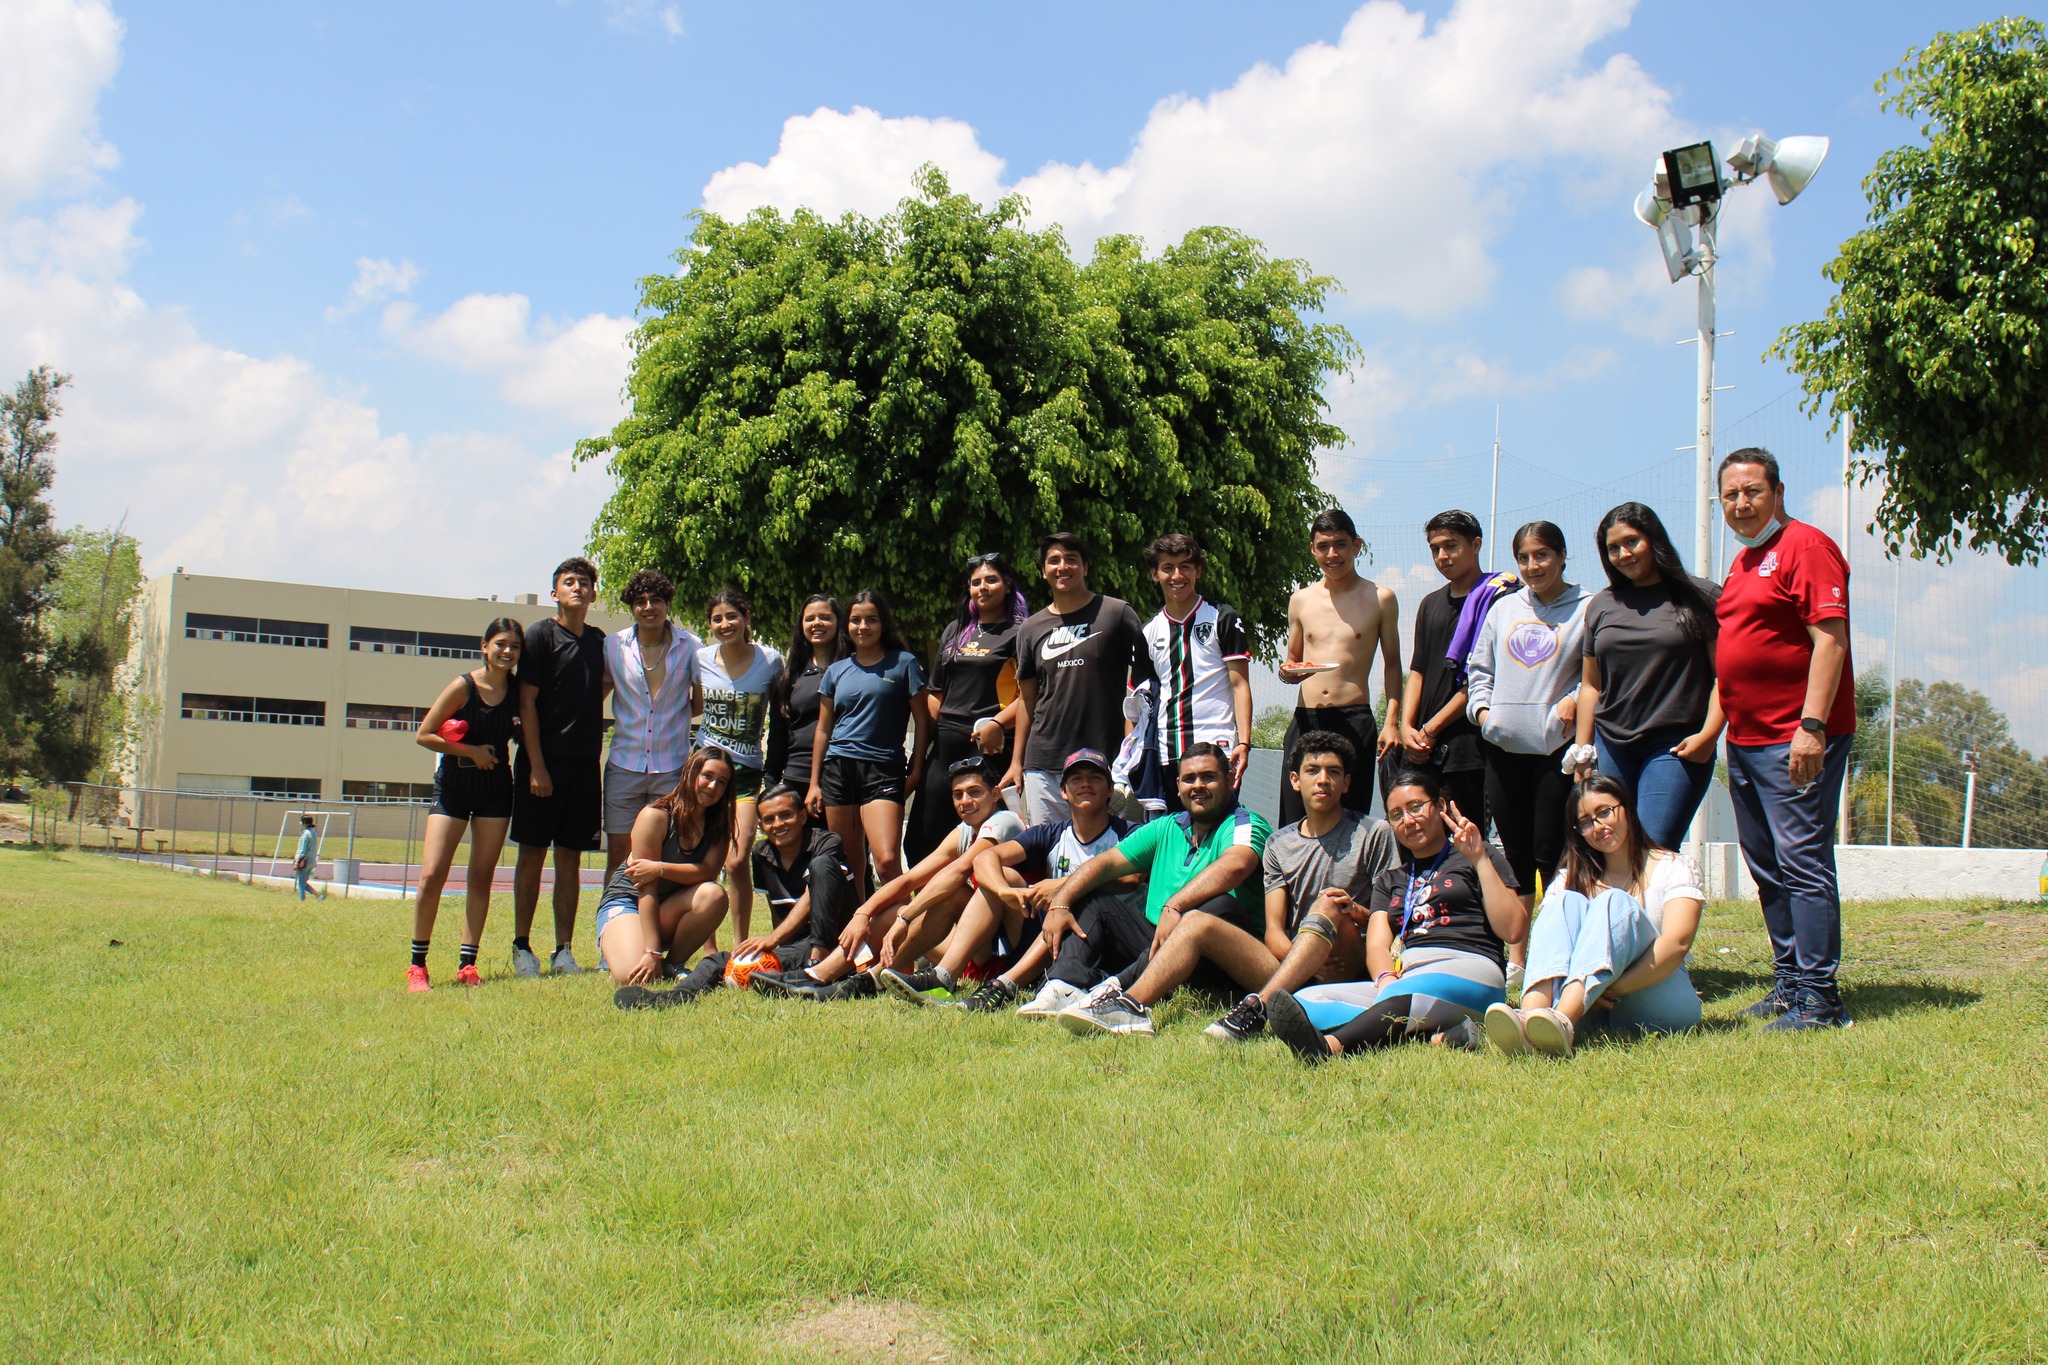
[857, 781]
[472, 793]
[572, 816]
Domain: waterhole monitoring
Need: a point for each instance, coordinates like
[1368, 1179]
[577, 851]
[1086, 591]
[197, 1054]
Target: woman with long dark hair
[665, 902]
[865, 702]
[472, 792]
[1646, 711]
[972, 696]
[1607, 951]
[734, 677]
[1520, 686]
[819, 642]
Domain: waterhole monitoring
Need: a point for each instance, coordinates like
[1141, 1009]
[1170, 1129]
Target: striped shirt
[653, 732]
[1192, 659]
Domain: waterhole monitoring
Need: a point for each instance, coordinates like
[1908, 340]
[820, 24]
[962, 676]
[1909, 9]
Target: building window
[425, 643]
[386, 793]
[255, 630]
[291, 787]
[256, 710]
[368, 716]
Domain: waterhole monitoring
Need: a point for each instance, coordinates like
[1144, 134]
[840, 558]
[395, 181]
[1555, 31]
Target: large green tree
[1937, 341]
[35, 736]
[824, 405]
[91, 623]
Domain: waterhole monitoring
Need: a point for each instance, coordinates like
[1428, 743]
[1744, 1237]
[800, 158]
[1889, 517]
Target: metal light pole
[1703, 530]
[1969, 792]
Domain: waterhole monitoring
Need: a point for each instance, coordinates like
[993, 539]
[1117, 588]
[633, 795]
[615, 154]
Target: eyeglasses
[1603, 816]
[1414, 810]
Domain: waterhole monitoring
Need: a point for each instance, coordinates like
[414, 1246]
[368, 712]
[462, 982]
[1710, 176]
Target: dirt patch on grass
[855, 1329]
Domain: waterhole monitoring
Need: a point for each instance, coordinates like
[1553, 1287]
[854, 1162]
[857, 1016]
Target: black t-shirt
[785, 886]
[1084, 663]
[569, 671]
[1651, 676]
[1447, 908]
[790, 737]
[977, 678]
[1436, 620]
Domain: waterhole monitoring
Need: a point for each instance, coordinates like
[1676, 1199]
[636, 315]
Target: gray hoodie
[1527, 659]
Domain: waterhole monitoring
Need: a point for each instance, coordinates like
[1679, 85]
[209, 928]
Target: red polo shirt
[1775, 591]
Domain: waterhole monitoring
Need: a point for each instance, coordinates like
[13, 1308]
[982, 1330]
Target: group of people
[1062, 834]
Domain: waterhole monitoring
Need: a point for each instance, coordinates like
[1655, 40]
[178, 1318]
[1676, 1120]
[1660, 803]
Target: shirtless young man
[1333, 629]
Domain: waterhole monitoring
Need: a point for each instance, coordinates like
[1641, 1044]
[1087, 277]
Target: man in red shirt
[1785, 687]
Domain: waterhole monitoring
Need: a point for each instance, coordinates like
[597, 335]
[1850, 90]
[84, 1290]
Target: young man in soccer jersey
[1203, 862]
[1334, 627]
[1201, 656]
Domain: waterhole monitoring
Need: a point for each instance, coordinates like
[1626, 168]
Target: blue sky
[340, 284]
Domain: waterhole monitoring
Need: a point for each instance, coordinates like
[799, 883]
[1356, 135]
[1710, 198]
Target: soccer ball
[738, 969]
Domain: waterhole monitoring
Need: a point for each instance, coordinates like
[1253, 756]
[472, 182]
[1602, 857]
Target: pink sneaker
[416, 980]
[466, 976]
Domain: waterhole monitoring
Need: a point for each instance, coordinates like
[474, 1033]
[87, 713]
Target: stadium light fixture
[1684, 194]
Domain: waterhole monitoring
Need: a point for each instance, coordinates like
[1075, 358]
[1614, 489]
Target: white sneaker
[1051, 999]
[563, 963]
[1513, 978]
[1107, 1011]
[524, 963]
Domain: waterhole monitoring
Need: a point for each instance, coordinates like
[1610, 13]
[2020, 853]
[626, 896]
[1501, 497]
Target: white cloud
[576, 369]
[376, 280]
[1388, 159]
[61, 54]
[671, 22]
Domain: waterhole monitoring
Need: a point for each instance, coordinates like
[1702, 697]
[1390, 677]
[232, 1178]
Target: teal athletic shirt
[1166, 852]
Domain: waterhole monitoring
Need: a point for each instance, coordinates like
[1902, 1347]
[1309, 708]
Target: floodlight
[1693, 176]
[1674, 236]
[1788, 165]
[1651, 208]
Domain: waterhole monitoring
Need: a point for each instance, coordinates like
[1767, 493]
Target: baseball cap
[1087, 757]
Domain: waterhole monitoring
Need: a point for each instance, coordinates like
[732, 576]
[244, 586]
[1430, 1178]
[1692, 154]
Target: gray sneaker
[524, 963]
[1106, 1011]
[563, 963]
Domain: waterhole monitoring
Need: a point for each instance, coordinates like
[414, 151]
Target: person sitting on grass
[1202, 861]
[801, 868]
[1319, 873]
[1607, 951]
[665, 902]
[1017, 879]
[930, 895]
[1451, 907]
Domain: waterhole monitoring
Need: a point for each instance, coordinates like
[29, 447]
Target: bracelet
[1384, 977]
[655, 952]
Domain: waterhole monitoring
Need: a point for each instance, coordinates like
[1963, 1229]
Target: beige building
[282, 689]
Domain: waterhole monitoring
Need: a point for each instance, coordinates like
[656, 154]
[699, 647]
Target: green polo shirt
[1167, 852]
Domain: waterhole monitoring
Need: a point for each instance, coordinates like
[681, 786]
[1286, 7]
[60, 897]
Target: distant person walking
[557, 778]
[307, 859]
[1785, 686]
[470, 727]
[1646, 712]
[1334, 627]
[651, 666]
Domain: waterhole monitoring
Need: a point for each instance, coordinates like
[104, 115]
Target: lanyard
[1425, 877]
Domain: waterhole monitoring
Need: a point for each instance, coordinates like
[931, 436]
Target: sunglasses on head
[965, 767]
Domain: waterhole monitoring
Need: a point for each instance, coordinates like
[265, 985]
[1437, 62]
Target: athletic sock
[468, 955]
[419, 952]
[522, 944]
[561, 947]
[943, 977]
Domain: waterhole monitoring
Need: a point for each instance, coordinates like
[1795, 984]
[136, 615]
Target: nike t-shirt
[1084, 662]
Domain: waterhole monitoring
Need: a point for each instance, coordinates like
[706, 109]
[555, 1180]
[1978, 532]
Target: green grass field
[235, 1137]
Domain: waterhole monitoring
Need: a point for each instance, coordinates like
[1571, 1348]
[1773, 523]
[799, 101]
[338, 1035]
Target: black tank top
[490, 727]
[672, 851]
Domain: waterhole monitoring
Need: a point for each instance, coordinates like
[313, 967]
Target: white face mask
[1751, 542]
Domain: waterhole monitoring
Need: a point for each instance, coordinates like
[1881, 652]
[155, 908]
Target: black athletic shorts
[472, 793]
[572, 816]
[857, 781]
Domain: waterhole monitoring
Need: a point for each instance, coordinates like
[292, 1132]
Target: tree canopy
[825, 405]
[1937, 341]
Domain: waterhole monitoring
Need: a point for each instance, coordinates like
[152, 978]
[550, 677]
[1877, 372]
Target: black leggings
[1525, 795]
[1389, 1021]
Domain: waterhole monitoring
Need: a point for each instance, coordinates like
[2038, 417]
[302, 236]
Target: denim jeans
[1667, 788]
[1592, 941]
[1788, 840]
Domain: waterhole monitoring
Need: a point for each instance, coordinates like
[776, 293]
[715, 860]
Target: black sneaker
[995, 994]
[919, 988]
[1772, 1005]
[857, 986]
[1811, 1008]
[1246, 1021]
[648, 998]
[783, 985]
[1290, 1025]
[708, 974]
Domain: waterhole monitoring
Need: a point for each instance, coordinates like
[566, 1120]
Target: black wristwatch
[1812, 726]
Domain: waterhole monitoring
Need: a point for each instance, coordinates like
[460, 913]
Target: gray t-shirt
[999, 828]
[1349, 857]
[1651, 677]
